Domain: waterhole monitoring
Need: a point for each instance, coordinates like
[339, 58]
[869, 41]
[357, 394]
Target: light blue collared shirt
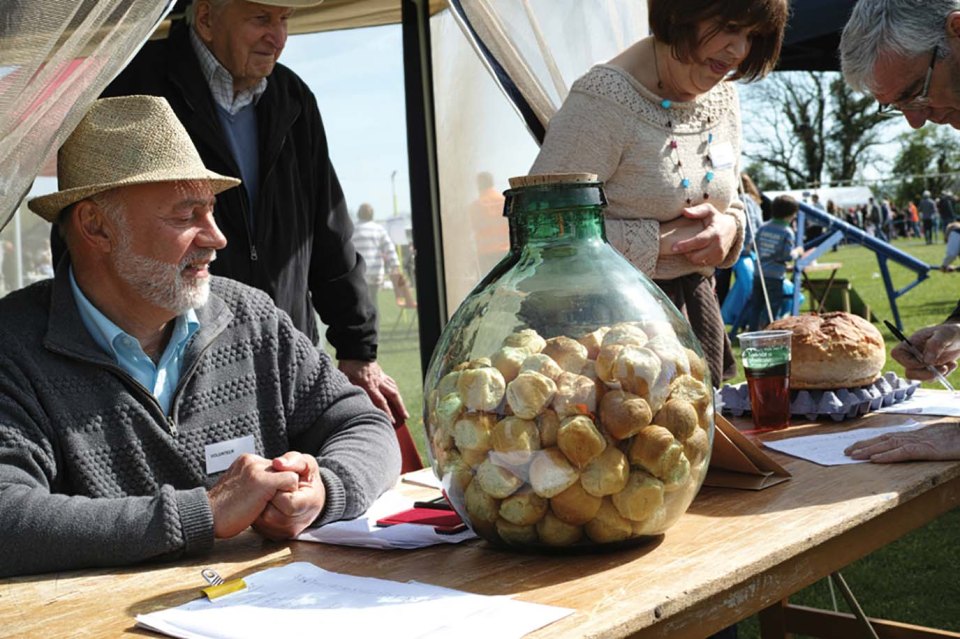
[162, 378]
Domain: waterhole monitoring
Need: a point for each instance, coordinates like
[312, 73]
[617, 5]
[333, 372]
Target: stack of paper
[301, 599]
[364, 532]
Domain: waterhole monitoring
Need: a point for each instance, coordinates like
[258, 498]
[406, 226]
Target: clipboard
[736, 462]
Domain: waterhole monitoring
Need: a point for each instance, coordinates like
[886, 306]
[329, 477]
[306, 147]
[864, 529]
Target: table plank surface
[733, 553]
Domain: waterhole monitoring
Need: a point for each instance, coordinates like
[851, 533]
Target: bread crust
[833, 350]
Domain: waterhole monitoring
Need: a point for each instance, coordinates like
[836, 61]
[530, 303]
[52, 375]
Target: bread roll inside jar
[567, 405]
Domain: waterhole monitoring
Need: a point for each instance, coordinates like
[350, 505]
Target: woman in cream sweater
[660, 125]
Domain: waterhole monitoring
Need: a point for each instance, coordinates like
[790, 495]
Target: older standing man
[250, 117]
[165, 408]
[907, 54]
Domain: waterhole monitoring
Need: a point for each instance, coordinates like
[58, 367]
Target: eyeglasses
[918, 102]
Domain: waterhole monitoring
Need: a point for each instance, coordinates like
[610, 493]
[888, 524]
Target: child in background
[775, 240]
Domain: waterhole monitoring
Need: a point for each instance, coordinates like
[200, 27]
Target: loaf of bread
[833, 350]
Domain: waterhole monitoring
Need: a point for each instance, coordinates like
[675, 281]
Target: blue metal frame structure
[835, 230]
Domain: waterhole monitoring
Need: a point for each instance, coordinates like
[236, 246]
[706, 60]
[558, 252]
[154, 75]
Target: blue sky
[357, 77]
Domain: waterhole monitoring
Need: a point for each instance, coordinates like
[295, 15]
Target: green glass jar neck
[557, 212]
[569, 224]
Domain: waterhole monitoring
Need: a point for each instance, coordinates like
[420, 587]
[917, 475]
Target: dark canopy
[813, 35]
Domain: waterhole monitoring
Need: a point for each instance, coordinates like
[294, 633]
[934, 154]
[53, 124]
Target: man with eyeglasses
[901, 51]
[905, 53]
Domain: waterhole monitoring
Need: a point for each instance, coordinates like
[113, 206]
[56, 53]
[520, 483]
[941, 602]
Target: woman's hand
[703, 235]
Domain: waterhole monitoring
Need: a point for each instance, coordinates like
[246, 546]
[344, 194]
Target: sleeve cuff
[734, 253]
[196, 520]
[637, 240]
[336, 500]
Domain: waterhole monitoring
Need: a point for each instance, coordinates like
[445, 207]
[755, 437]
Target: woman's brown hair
[674, 22]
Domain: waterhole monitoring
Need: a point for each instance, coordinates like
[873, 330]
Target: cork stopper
[552, 178]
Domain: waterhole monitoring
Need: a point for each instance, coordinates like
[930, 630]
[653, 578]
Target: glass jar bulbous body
[567, 403]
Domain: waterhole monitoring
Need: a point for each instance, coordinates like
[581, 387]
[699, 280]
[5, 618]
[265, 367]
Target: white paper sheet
[927, 402]
[302, 599]
[422, 477]
[364, 532]
[827, 449]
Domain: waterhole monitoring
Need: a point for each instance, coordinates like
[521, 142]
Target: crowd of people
[926, 216]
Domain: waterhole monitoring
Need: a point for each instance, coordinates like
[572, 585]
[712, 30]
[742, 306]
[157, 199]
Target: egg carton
[838, 405]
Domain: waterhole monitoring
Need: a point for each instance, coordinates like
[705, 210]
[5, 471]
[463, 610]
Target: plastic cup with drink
[766, 362]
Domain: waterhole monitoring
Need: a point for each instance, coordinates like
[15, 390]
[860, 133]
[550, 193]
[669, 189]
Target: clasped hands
[702, 234]
[279, 497]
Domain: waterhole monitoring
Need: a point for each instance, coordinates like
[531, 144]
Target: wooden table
[733, 554]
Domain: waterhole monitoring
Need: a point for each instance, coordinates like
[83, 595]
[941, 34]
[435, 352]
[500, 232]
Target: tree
[788, 139]
[762, 177]
[855, 131]
[806, 124]
[929, 160]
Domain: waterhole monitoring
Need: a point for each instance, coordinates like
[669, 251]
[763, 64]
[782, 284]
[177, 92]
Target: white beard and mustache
[162, 284]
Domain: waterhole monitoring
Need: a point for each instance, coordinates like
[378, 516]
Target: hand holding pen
[929, 352]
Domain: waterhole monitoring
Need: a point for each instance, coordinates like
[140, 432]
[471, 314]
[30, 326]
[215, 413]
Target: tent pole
[424, 183]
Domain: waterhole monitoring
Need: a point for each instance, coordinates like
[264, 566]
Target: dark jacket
[301, 246]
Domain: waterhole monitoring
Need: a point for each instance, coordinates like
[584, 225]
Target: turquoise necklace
[685, 182]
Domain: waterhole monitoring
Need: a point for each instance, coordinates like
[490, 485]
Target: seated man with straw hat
[146, 407]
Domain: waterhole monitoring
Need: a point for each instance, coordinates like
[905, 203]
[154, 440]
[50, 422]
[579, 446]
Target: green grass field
[912, 580]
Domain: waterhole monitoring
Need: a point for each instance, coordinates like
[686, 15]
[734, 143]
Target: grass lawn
[912, 580]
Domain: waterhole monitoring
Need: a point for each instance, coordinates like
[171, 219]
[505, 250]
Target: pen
[916, 353]
[439, 503]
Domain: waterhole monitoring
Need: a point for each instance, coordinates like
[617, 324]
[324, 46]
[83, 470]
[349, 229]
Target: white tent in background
[843, 196]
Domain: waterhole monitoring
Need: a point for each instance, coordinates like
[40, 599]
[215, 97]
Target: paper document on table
[364, 532]
[302, 598]
[927, 402]
[422, 477]
[827, 449]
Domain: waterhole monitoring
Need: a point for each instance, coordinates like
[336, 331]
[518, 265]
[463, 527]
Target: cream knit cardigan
[613, 126]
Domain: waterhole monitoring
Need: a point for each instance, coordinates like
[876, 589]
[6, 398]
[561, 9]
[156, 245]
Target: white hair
[881, 28]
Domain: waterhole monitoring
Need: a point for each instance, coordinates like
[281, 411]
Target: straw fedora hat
[120, 142]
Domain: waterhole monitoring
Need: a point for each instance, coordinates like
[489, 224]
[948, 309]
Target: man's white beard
[164, 284]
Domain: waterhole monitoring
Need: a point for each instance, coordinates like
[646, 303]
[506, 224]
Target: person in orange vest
[913, 218]
[490, 230]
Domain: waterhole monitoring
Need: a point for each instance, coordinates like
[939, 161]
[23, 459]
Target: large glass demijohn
[567, 404]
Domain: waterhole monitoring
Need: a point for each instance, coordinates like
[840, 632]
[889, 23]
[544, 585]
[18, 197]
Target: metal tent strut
[509, 87]
[835, 230]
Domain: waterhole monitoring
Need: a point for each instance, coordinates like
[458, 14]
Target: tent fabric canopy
[330, 15]
[813, 35]
[55, 59]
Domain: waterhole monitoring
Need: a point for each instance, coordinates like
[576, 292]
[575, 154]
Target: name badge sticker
[721, 155]
[220, 455]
